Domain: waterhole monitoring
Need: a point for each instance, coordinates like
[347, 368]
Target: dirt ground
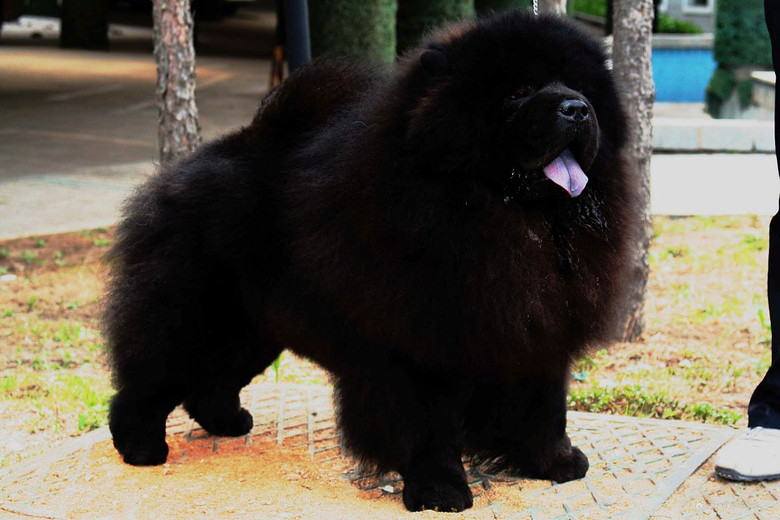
[257, 481]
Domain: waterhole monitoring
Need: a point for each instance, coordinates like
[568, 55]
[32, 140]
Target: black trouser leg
[764, 409]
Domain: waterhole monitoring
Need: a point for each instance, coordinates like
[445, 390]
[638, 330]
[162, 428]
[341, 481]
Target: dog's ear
[434, 61]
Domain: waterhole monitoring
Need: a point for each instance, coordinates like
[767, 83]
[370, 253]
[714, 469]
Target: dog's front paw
[142, 453]
[447, 495]
[233, 425]
[571, 465]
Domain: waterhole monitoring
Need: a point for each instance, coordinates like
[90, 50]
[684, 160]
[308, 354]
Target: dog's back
[188, 239]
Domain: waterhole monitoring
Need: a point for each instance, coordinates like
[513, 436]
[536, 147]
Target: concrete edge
[713, 135]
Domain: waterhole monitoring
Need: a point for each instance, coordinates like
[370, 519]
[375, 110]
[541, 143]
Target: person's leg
[764, 409]
[755, 455]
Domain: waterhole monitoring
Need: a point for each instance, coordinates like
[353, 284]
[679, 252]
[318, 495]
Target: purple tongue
[566, 173]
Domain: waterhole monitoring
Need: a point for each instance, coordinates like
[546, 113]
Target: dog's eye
[522, 92]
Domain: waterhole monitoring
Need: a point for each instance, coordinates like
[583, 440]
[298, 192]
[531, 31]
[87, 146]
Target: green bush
[740, 34]
[664, 24]
[363, 28]
[667, 24]
[417, 17]
[741, 40]
[745, 92]
[593, 7]
[485, 6]
[722, 84]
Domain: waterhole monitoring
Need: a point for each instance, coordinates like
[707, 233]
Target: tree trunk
[178, 127]
[552, 6]
[417, 17]
[364, 28]
[486, 6]
[631, 54]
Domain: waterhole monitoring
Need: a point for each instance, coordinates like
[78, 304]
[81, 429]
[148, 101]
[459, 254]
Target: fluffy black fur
[394, 226]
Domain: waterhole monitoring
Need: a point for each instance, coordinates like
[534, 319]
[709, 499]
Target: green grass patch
[755, 243]
[55, 344]
[31, 257]
[669, 253]
[695, 224]
[635, 401]
[708, 312]
[61, 401]
[289, 368]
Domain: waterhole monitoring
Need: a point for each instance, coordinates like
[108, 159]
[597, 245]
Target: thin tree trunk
[178, 127]
[552, 6]
[487, 6]
[415, 18]
[364, 28]
[631, 55]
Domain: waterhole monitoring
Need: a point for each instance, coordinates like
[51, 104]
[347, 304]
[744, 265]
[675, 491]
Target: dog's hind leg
[137, 422]
[214, 401]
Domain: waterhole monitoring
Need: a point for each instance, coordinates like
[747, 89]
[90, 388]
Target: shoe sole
[730, 474]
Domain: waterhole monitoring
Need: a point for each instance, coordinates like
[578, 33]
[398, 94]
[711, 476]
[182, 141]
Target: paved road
[63, 110]
[714, 184]
[78, 130]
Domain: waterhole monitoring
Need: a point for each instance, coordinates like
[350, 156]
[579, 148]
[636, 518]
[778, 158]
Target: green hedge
[741, 40]
[740, 34]
[664, 24]
[745, 92]
[667, 24]
[722, 84]
[485, 6]
[593, 7]
[353, 27]
[416, 17]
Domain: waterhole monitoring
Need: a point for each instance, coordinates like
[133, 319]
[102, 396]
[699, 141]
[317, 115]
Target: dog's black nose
[574, 110]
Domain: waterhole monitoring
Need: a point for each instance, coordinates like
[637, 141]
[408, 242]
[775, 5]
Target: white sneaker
[753, 455]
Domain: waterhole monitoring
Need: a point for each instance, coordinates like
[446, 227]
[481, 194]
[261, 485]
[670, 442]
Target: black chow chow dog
[443, 237]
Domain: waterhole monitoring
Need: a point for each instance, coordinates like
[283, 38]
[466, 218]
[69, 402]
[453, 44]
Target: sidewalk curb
[713, 135]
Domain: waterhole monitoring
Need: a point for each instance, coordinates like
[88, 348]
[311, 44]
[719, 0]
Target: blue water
[681, 75]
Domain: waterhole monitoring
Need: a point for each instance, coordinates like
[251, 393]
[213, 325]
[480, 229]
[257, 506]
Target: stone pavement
[640, 469]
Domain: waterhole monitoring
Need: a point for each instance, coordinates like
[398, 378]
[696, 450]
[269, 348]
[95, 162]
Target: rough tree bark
[631, 52]
[364, 28]
[487, 6]
[178, 128]
[552, 6]
[415, 18]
